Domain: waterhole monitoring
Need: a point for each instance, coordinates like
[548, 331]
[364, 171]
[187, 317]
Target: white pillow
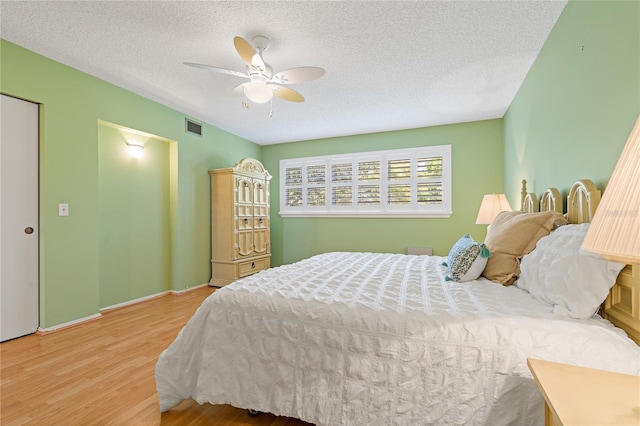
[559, 272]
[466, 260]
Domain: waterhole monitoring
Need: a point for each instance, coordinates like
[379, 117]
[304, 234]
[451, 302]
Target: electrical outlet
[63, 209]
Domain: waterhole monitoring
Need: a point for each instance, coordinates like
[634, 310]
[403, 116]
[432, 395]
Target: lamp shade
[615, 229]
[492, 204]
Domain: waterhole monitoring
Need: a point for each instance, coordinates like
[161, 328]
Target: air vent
[193, 127]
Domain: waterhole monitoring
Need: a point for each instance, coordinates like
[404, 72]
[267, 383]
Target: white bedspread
[378, 339]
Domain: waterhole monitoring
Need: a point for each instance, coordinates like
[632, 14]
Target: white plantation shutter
[294, 184]
[316, 185]
[341, 182]
[430, 180]
[430, 193]
[399, 181]
[396, 183]
[369, 182]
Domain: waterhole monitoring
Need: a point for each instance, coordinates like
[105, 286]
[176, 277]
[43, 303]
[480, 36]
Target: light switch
[63, 209]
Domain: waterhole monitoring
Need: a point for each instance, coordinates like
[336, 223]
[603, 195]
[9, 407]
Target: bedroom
[551, 114]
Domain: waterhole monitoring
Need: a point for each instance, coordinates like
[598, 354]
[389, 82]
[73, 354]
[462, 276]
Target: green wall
[577, 106]
[135, 217]
[477, 159]
[73, 105]
[569, 120]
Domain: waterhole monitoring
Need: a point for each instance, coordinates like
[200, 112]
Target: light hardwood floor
[102, 372]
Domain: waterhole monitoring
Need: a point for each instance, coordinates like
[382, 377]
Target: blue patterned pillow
[466, 260]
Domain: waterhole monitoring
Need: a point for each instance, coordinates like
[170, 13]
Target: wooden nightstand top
[578, 396]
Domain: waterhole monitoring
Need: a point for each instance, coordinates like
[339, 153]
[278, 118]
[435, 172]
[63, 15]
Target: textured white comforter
[378, 339]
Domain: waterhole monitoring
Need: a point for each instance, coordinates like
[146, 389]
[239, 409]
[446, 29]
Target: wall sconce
[135, 141]
[135, 150]
[492, 204]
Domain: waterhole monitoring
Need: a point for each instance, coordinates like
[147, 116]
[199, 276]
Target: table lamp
[492, 204]
[615, 229]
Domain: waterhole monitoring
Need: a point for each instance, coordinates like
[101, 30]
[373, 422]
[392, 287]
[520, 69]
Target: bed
[390, 339]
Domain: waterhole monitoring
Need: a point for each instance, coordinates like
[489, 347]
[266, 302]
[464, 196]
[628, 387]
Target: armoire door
[261, 235]
[19, 311]
[244, 218]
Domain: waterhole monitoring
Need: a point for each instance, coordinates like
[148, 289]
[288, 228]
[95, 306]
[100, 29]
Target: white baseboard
[132, 302]
[183, 291]
[67, 324]
[113, 307]
[146, 298]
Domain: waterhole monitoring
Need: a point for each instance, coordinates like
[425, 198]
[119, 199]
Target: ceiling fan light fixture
[258, 92]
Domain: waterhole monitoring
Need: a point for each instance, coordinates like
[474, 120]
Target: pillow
[559, 272]
[510, 236]
[466, 260]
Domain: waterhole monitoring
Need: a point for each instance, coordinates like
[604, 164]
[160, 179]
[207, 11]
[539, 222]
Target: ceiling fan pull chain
[271, 109]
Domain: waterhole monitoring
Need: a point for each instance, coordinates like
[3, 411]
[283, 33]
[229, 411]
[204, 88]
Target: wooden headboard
[551, 200]
[622, 306]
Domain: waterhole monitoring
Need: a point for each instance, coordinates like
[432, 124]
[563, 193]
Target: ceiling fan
[263, 84]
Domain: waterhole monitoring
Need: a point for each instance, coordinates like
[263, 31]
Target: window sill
[424, 215]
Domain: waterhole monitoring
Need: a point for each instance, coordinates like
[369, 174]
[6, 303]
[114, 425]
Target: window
[397, 183]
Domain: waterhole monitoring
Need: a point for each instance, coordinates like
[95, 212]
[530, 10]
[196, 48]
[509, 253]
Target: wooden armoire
[240, 237]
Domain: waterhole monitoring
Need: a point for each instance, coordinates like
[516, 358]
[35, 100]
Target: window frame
[384, 209]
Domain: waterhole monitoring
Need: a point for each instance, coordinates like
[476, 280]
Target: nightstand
[578, 396]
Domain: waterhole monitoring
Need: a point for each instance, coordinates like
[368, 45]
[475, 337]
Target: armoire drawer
[252, 266]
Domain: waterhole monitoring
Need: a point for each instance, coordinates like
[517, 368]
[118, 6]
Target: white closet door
[18, 218]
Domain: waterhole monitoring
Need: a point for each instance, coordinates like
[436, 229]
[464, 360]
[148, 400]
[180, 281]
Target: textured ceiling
[390, 65]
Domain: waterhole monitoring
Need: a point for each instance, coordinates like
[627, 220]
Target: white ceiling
[390, 65]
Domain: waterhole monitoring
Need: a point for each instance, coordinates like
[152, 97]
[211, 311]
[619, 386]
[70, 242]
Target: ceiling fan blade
[286, 93]
[257, 63]
[298, 75]
[239, 90]
[217, 69]
[245, 50]
[249, 54]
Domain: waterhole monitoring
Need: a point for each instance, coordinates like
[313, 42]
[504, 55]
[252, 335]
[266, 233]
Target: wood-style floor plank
[102, 372]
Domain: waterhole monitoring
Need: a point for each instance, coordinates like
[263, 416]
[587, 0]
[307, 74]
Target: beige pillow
[511, 236]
